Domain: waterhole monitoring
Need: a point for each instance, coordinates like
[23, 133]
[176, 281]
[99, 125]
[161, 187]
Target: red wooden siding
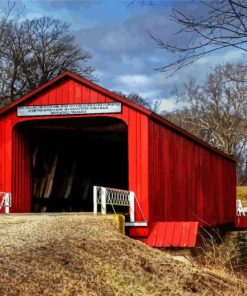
[14, 174]
[241, 222]
[176, 177]
[6, 155]
[21, 183]
[188, 182]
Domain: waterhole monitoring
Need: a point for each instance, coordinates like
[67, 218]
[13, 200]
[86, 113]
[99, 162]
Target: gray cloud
[124, 55]
[70, 5]
[124, 50]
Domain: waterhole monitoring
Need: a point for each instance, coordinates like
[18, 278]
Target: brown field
[242, 193]
[86, 255]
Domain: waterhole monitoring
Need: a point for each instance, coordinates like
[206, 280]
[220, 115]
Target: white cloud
[202, 61]
[33, 15]
[234, 55]
[149, 94]
[134, 80]
[99, 74]
[168, 104]
[222, 57]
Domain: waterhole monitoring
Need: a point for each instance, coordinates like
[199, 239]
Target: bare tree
[224, 25]
[4, 18]
[36, 51]
[216, 111]
[5, 15]
[146, 103]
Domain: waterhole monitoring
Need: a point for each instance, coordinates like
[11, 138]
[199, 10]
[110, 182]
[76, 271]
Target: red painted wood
[160, 238]
[152, 236]
[193, 234]
[108, 94]
[176, 177]
[139, 232]
[170, 228]
[188, 182]
[185, 234]
[15, 160]
[173, 234]
[21, 185]
[241, 222]
[177, 234]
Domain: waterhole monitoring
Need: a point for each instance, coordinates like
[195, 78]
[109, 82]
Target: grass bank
[85, 255]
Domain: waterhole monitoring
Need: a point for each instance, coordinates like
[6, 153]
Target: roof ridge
[118, 98]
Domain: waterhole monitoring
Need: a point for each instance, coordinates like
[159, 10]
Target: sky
[117, 34]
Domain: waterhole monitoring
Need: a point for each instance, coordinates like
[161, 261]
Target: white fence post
[103, 200]
[95, 200]
[240, 209]
[132, 206]
[7, 202]
[112, 196]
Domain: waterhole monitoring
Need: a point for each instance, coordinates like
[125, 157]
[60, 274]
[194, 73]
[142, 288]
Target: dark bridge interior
[69, 157]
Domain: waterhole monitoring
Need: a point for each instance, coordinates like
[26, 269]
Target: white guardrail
[5, 201]
[241, 211]
[104, 196]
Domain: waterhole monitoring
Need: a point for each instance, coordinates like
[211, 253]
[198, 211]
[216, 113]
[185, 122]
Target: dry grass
[226, 254]
[84, 255]
[242, 193]
[219, 256]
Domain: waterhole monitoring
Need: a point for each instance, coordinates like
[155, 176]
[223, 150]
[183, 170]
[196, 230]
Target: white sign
[73, 109]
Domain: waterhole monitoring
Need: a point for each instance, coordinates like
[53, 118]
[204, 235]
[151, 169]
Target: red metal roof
[155, 117]
[173, 234]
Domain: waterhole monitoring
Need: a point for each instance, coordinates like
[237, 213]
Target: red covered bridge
[107, 140]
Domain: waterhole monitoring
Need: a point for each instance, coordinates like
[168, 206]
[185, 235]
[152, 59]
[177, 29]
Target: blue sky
[124, 55]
